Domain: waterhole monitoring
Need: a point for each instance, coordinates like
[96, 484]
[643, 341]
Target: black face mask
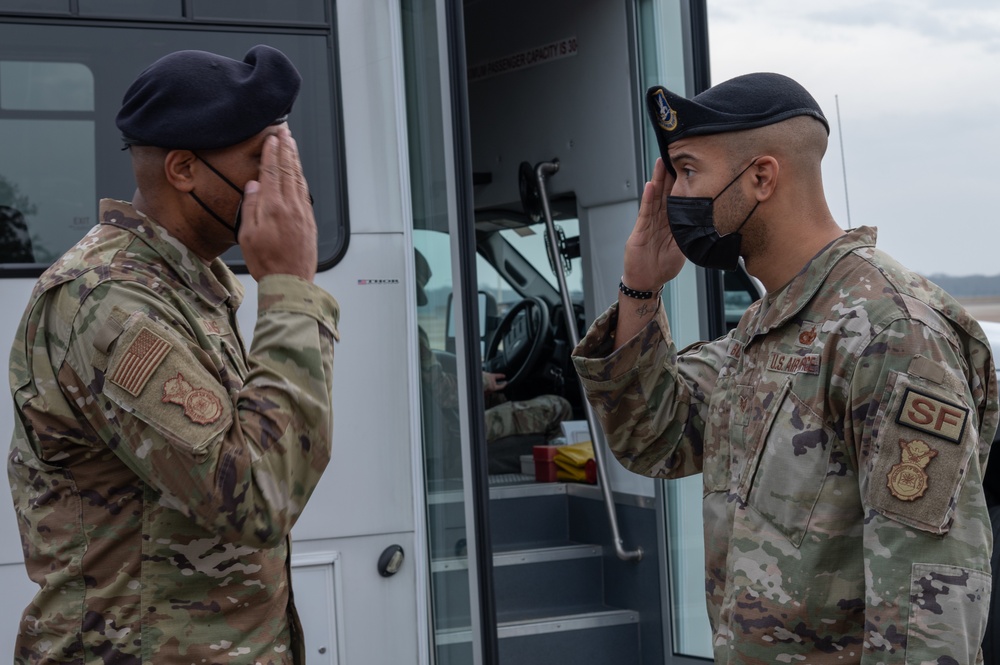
[235, 228]
[692, 223]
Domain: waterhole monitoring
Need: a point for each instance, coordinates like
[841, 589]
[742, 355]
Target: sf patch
[931, 415]
[907, 480]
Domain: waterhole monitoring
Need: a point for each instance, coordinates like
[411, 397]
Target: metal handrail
[542, 170]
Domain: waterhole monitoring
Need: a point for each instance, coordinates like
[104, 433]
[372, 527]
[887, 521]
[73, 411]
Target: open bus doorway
[535, 561]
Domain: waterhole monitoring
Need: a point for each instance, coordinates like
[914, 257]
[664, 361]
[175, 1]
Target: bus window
[36, 6]
[263, 10]
[132, 8]
[46, 191]
[60, 89]
[296, 13]
[531, 242]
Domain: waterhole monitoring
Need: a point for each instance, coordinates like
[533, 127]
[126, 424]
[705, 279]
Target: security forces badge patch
[907, 480]
[200, 405]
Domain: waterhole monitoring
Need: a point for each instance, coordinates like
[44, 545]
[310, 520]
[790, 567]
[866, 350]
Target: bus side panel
[351, 608]
[373, 103]
[367, 488]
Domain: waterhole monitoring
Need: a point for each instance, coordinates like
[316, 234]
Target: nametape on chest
[140, 360]
[791, 363]
[934, 416]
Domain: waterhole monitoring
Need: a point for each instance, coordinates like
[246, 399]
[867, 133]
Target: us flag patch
[140, 360]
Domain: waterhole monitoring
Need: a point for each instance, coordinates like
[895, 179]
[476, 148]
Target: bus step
[597, 636]
[606, 636]
[549, 579]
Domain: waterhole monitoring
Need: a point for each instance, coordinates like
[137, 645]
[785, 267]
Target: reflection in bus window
[531, 242]
[57, 118]
[15, 244]
[49, 189]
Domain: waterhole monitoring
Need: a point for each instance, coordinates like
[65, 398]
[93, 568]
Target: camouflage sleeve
[651, 402]
[922, 417]
[239, 457]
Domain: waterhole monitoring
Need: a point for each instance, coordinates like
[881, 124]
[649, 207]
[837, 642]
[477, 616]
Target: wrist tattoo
[644, 309]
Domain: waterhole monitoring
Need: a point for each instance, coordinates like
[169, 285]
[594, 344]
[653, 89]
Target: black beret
[745, 102]
[196, 100]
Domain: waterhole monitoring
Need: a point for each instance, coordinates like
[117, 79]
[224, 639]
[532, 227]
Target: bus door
[524, 567]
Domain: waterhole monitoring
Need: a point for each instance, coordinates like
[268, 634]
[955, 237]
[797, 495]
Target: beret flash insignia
[667, 116]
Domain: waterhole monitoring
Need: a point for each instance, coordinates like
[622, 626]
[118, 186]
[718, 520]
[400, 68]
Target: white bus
[414, 120]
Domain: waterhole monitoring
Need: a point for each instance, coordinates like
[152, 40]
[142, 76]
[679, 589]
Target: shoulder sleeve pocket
[153, 375]
[923, 443]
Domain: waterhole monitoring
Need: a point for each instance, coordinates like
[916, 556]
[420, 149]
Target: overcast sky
[919, 89]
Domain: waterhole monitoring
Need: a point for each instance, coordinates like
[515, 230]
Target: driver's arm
[493, 382]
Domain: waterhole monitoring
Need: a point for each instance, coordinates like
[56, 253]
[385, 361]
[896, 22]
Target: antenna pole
[843, 162]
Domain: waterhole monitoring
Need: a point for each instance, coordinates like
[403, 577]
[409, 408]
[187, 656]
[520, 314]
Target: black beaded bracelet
[638, 295]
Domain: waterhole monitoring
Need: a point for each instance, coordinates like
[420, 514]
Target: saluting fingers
[270, 157]
[252, 190]
[301, 189]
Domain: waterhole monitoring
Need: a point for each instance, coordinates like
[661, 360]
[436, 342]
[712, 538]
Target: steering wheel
[523, 331]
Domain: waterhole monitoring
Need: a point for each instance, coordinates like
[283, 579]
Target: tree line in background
[971, 286]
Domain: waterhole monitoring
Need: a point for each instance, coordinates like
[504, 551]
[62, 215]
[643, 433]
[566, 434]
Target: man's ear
[764, 177]
[177, 168]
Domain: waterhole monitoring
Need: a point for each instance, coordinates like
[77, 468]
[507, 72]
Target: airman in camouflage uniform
[841, 429]
[157, 464]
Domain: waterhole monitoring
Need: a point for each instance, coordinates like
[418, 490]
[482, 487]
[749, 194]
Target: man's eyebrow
[682, 156]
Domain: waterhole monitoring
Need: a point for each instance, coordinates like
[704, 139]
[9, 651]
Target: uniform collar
[214, 282]
[790, 299]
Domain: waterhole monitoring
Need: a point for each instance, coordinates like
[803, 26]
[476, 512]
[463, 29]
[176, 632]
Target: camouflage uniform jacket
[841, 430]
[157, 467]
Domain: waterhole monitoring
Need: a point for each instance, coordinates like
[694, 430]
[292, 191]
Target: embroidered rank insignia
[907, 480]
[140, 360]
[807, 334]
[667, 116]
[201, 406]
[933, 416]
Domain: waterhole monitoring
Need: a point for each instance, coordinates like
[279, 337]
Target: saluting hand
[278, 233]
[652, 257]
